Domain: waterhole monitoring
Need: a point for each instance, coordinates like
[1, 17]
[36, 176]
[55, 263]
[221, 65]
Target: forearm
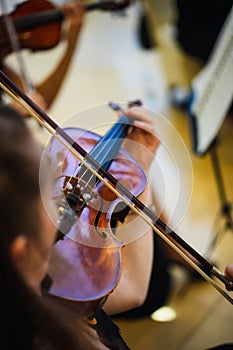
[137, 255]
[136, 262]
[50, 87]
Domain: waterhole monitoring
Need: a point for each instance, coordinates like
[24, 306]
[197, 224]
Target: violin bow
[206, 270]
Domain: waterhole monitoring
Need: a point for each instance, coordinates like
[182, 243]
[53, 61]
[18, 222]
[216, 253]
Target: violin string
[104, 148]
[85, 173]
[136, 210]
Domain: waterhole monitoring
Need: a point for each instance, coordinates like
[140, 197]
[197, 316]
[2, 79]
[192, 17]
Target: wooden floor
[109, 64]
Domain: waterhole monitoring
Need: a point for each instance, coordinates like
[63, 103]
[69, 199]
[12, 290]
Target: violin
[89, 212]
[36, 30]
[38, 23]
[74, 181]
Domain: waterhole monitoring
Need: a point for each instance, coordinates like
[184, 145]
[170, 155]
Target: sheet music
[212, 90]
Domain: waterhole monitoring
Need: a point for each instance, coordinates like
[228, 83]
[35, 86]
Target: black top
[199, 23]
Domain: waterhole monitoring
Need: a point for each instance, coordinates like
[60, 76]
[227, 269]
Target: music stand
[211, 98]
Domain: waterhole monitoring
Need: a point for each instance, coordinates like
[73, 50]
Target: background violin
[35, 29]
[38, 23]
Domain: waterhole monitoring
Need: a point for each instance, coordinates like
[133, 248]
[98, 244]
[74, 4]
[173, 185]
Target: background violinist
[45, 92]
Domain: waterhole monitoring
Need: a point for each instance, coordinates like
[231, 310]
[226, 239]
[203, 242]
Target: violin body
[38, 26]
[85, 263]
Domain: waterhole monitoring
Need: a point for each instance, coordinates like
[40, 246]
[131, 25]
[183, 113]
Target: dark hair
[25, 315]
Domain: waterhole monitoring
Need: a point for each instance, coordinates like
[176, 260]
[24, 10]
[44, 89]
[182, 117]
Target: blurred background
[131, 55]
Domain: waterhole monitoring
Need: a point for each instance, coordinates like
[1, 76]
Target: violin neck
[106, 149]
[104, 152]
[37, 19]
